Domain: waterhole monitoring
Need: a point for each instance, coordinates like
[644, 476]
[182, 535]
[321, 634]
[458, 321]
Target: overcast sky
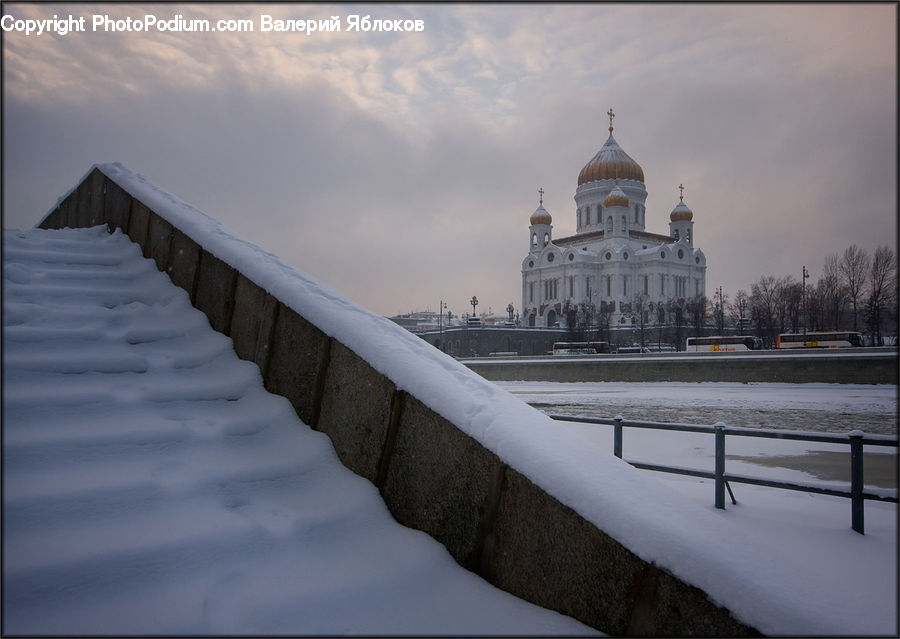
[402, 168]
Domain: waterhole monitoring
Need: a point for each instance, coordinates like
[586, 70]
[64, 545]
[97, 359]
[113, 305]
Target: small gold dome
[681, 213]
[541, 216]
[611, 162]
[616, 197]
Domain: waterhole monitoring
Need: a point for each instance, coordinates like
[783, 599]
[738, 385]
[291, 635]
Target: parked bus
[723, 343]
[625, 350]
[580, 348]
[842, 339]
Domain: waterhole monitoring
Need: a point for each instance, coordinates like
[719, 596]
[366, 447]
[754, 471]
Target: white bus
[838, 339]
[580, 348]
[723, 343]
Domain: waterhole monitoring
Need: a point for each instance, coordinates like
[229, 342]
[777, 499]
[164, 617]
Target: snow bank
[759, 584]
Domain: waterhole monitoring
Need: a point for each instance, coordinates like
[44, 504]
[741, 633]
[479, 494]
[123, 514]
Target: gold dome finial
[541, 215]
[610, 162]
[681, 212]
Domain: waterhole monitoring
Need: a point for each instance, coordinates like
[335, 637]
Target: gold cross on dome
[611, 116]
[681, 188]
[541, 192]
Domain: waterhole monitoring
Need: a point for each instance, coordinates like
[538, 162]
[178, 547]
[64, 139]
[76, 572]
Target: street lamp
[441, 306]
[720, 320]
[474, 303]
[803, 300]
[510, 310]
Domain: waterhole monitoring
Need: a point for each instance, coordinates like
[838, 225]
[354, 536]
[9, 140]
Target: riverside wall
[432, 476]
[870, 367]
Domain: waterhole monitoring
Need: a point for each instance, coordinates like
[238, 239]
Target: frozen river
[835, 408]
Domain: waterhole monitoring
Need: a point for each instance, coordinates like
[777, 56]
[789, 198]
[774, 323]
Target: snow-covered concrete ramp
[152, 485]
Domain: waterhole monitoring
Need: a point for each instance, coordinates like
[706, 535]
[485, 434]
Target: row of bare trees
[857, 291]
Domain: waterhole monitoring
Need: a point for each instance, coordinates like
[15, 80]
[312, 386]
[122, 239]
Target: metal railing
[856, 439]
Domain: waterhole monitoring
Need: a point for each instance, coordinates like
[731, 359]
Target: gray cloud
[402, 168]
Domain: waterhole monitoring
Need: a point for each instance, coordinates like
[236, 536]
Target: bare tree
[815, 307]
[834, 294]
[641, 308]
[764, 303]
[697, 308]
[739, 311]
[854, 267]
[791, 303]
[882, 289]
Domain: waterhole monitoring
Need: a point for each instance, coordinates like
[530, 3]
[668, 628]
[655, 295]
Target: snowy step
[151, 485]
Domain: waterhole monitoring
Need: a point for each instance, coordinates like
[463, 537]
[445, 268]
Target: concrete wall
[432, 476]
[463, 341]
[831, 368]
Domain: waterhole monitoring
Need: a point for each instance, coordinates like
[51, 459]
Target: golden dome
[611, 162]
[681, 212]
[616, 197]
[541, 216]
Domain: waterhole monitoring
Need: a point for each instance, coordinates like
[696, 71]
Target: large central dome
[611, 162]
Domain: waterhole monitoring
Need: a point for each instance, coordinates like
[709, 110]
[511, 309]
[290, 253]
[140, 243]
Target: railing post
[617, 437]
[857, 504]
[720, 465]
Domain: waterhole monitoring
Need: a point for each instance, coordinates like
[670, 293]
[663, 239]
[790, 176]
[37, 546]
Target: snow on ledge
[697, 544]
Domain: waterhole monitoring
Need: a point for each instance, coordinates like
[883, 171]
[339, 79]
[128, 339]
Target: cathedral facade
[612, 273]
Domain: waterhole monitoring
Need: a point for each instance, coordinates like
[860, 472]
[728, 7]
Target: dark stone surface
[89, 201]
[53, 220]
[680, 609]
[184, 260]
[160, 239]
[296, 359]
[139, 226]
[116, 206]
[94, 211]
[252, 321]
[214, 293]
[546, 553]
[355, 411]
[439, 480]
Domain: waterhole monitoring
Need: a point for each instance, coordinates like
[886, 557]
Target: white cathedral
[612, 272]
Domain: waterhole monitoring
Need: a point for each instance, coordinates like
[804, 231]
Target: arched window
[534, 240]
[636, 207]
[609, 224]
[546, 239]
[676, 235]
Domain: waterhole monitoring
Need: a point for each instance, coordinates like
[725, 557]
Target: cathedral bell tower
[541, 229]
[681, 226]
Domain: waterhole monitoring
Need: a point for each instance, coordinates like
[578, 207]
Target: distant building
[612, 272]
